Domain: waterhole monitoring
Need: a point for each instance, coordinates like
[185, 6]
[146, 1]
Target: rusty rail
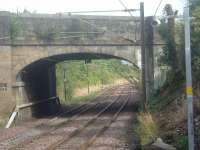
[79, 130]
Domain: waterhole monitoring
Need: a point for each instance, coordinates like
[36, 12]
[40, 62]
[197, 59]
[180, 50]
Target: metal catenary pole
[143, 54]
[87, 73]
[189, 90]
[88, 78]
[65, 81]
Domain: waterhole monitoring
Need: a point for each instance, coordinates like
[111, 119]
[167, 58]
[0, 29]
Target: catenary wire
[122, 3]
[101, 11]
[158, 7]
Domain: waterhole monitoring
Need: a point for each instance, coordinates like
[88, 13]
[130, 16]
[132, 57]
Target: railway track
[30, 136]
[59, 144]
[77, 108]
[103, 129]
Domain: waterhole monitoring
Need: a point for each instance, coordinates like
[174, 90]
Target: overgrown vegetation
[83, 99]
[147, 129]
[167, 32]
[168, 104]
[172, 53]
[79, 75]
[15, 28]
[45, 31]
[182, 143]
[195, 40]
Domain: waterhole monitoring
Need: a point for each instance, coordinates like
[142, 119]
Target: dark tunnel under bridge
[39, 81]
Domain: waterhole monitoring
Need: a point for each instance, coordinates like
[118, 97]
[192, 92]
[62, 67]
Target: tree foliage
[195, 8]
[166, 30]
[15, 28]
[99, 72]
[196, 29]
[173, 51]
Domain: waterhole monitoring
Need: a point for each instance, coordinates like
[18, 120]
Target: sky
[60, 6]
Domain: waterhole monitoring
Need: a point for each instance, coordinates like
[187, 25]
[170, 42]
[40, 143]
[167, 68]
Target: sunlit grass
[147, 129]
[82, 99]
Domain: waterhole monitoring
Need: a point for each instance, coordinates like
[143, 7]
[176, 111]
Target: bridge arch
[37, 73]
[24, 56]
[52, 60]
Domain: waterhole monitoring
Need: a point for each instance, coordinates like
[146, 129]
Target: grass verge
[82, 99]
[146, 128]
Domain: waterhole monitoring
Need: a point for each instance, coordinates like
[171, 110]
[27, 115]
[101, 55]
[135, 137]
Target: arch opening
[39, 79]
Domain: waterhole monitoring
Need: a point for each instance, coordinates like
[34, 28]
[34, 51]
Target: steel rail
[42, 124]
[78, 107]
[79, 130]
[81, 109]
[104, 128]
[53, 129]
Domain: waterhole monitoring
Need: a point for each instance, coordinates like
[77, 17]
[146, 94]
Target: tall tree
[167, 32]
[195, 12]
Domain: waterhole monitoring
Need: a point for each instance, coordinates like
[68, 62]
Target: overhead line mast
[189, 89]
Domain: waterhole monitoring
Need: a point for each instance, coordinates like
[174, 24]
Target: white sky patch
[57, 6]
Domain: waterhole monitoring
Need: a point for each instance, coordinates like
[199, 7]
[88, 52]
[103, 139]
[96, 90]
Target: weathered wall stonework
[27, 59]
[6, 95]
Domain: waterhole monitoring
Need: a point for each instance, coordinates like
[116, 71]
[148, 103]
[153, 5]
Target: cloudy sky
[56, 6]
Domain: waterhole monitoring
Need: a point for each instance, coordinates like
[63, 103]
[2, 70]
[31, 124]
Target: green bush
[15, 28]
[99, 72]
[196, 68]
[182, 143]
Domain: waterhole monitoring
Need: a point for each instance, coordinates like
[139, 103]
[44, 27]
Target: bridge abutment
[32, 92]
[21, 99]
[53, 105]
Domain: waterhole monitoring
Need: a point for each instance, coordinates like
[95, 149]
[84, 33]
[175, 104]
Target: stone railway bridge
[31, 45]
